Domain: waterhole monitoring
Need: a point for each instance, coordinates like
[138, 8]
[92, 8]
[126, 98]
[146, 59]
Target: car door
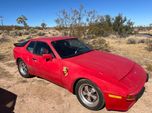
[50, 70]
[29, 56]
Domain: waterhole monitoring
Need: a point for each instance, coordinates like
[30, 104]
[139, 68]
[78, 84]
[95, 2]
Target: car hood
[106, 64]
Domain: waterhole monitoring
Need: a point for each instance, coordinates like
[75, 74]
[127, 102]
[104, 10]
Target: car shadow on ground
[7, 101]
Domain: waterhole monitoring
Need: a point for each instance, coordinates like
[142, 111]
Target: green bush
[148, 41]
[15, 33]
[25, 32]
[29, 37]
[5, 32]
[41, 34]
[4, 38]
[98, 43]
[131, 41]
[32, 31]
[149, 47]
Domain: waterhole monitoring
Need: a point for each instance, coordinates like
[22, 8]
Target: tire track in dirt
[11, 70]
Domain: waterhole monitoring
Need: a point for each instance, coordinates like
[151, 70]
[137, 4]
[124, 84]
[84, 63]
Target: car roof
[50, 39]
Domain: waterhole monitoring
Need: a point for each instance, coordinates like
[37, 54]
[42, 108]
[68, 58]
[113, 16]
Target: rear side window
[30, 47]
[42, 48]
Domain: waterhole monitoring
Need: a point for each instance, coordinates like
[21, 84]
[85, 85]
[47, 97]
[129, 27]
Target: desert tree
[22, 20]
[122, 26]
[101, 26]
[63, 21]
[73, 22]
[80, 22]
[43, 25]
[1, 19]
[150, 26]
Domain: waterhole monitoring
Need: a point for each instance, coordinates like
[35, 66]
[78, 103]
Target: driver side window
[42, 48]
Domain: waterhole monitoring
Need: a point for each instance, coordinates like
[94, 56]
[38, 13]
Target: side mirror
[48, 57]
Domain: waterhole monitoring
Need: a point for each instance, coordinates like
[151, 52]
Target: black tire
[97, 103]
[24, 74]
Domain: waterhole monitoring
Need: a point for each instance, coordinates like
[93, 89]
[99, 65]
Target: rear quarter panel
[22, 53]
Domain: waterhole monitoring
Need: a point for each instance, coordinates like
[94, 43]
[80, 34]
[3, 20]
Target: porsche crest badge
[65, 71]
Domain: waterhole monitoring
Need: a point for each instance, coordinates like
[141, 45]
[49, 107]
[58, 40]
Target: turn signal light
[115, 96]
[131, 97]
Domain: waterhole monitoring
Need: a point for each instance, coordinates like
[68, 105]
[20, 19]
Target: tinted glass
[70, 47]
[30, 47]
[42, 48]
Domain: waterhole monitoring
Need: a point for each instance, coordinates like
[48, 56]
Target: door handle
[34, 59]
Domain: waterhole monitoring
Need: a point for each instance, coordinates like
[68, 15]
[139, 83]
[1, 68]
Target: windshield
[70, 47]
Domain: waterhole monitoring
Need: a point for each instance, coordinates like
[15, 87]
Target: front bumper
[135, 91]
[147, 77]
[122, 104]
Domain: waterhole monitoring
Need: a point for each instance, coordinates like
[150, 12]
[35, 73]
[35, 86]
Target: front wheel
[89, 95]
[23, 70]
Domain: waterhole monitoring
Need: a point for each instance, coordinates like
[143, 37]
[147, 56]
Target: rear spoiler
[21, 44]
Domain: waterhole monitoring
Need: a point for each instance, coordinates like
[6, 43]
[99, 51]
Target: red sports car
[97, 78]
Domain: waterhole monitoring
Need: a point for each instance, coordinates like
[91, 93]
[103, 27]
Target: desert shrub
[29, 37]
[40, 33]
[56, 34]
[148, 41]
[2, 56]
[131, 41]
[149, 67]
[21, 40]
[32, 31]
[25, 32]
[4, 38]
[142, 41]
[15, 33]
[149, 47]
[5, 32]
[53, 34]
[10, 28]
[1, 32]
[98, 43]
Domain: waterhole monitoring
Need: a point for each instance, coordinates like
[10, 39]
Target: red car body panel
[112, 74]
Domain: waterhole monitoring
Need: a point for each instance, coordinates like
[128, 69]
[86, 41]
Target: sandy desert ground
[36, 95]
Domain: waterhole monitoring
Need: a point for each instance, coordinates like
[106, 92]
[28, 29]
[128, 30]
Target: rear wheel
[89, 95]
[23, 70]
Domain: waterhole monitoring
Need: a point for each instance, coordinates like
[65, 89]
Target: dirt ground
[36, 95]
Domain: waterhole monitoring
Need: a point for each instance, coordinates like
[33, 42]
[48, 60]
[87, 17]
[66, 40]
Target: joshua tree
[43, 25]
[150, 25]
[1, 19]
[22, 20]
